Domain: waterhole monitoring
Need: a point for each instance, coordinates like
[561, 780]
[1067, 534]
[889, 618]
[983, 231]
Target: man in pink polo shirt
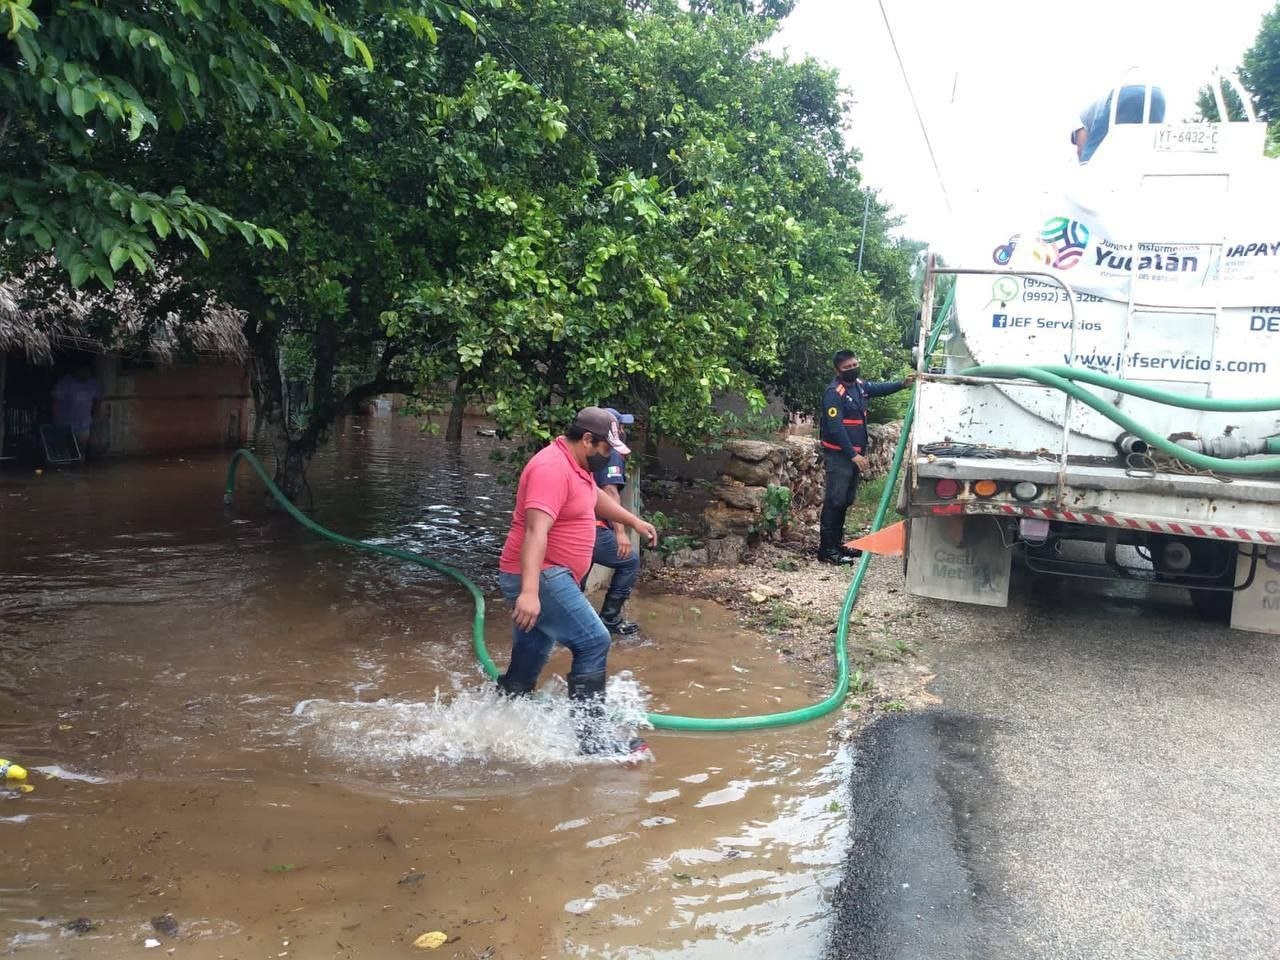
[547, 555]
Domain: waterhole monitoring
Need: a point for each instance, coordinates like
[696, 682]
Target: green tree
[1259, 72]
[696, 233]
[88, 88]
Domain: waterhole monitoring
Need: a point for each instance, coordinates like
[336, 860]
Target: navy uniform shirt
[612, 474]
[844, 414]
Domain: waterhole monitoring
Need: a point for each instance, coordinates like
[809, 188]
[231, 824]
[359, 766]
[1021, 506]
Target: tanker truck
[1100, 397]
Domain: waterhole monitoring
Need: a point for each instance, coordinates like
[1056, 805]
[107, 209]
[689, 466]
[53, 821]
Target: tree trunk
[454, 430]
[292, 449]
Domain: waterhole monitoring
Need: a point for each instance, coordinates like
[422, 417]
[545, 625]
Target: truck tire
[1207, 556]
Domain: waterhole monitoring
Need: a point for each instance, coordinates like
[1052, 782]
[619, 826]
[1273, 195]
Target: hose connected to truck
[1060, 378]
[1064, 379]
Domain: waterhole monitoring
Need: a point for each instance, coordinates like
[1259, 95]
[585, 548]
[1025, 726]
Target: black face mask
[597, 461]
[851, 375]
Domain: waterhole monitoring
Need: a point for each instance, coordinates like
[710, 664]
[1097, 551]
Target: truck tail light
[946, 489]
[985, 488]
[1026, 490]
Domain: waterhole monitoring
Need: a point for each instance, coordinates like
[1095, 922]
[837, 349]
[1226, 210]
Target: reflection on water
[231, 720]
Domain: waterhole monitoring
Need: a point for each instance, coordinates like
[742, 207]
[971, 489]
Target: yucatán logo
[1062, 242]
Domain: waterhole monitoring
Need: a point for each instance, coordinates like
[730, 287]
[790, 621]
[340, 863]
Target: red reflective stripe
[857, 449]
[853, 423]
[832, 446]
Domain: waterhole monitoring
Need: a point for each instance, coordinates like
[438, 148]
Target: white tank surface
[1169, 240]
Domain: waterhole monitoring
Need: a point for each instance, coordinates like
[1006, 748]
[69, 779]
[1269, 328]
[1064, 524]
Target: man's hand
[648, 531]
[860, 462]
[624, 542]
[527, 609]
[909, 380]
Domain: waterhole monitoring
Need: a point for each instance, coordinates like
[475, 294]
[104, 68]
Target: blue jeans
[625, 571]
[566, 618]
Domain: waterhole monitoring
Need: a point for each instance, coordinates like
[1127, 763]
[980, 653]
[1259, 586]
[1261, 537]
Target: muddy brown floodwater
[289, 748]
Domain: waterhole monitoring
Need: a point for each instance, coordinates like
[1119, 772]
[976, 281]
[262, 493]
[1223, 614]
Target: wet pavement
[1101, 780]
[248, 742]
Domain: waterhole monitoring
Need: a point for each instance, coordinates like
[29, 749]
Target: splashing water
[477, 724]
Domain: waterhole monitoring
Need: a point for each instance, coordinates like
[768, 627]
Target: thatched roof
[156, 315]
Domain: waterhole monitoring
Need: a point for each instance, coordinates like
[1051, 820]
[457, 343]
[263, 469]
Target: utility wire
[919, 117]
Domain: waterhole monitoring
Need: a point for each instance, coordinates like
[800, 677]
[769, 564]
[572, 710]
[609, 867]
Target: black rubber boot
[611, 616]
[850, 552]
[595, 738]
[513, 689]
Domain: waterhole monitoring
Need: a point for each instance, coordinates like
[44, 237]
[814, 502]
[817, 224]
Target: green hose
[1046, 376]
[1160, 396]
[661, 721]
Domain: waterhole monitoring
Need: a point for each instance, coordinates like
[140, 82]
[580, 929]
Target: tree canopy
[536, 204]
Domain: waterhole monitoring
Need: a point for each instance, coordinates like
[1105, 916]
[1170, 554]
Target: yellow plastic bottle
[11, 771]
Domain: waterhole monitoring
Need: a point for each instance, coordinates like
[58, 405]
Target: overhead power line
[916, 106]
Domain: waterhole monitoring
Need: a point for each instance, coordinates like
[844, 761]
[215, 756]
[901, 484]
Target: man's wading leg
[625, 572]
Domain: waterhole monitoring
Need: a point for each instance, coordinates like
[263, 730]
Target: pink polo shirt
[554, 483]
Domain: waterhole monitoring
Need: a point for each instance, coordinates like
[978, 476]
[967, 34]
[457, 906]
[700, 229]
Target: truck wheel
[1207, 557]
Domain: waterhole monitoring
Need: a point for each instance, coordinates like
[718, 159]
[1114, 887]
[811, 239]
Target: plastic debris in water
[431, 941]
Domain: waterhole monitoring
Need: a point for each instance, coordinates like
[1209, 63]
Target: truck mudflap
[1202, 531]
[1257, 607]
[958, 558]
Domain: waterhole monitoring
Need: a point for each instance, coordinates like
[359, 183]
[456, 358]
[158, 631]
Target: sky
[999, 84]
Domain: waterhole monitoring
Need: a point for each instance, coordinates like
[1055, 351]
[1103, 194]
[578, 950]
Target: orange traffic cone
[888, 542]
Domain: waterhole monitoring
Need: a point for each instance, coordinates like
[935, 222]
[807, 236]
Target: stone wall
[795, 463]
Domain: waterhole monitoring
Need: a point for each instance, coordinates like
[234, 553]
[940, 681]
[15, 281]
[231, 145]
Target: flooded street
[290, 747]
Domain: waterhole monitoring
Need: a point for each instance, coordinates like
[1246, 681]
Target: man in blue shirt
[613, 543]
[844, 438]
[1095, 119]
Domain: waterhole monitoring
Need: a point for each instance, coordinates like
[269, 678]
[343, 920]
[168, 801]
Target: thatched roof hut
[157, 316]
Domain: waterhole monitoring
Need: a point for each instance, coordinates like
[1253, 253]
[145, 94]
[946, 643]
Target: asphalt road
[1101, 781]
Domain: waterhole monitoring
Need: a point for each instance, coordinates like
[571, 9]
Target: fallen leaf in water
[281, 867]
[411, 878]
[64, 727]
[431, 941]
[81, 925]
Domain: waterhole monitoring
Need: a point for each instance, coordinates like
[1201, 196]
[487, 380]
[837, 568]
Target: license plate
[1188, 138]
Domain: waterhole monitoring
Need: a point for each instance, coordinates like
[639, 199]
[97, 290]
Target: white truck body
[1158, 263]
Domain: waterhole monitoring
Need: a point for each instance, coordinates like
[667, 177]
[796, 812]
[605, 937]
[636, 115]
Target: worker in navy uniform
[844, 438]
[613, 542]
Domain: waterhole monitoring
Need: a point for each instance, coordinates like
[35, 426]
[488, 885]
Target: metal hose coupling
[1130, 443]
[1231, 447]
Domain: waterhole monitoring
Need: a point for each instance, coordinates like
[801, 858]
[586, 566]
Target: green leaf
[81, 101]
[160, 223]
[118, 257]
[80, 271]
[63, 96]
[139, 212]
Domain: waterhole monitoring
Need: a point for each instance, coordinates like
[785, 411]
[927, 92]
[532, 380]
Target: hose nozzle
[1130, 443]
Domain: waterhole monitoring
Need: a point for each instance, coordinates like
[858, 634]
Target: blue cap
[623, 418]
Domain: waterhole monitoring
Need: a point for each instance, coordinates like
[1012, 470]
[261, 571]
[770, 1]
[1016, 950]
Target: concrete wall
[160, 410]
